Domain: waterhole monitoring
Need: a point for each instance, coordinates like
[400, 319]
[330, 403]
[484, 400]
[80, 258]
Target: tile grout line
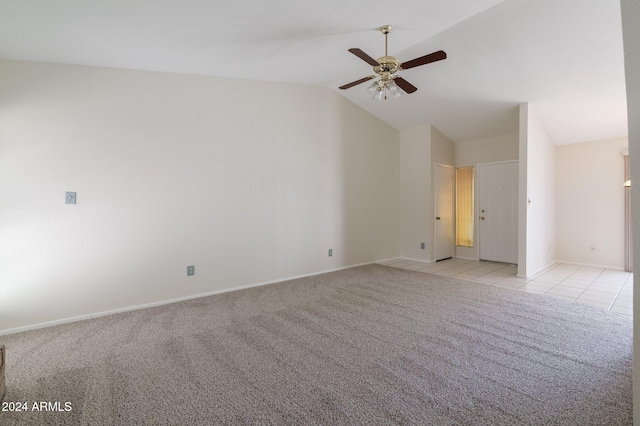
[584, 289]
[616, 296]
[590, 284]
[617, 293]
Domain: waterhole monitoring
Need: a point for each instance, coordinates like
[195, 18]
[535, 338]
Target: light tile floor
[610, 289]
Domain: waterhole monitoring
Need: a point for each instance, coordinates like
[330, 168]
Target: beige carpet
[369, 345]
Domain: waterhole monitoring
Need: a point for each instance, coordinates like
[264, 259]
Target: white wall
[420, 148]
[590, 203]
[415, 193]
[248, 181]
[485, 150]
[537, 229]
[631, 32]
[442, 149]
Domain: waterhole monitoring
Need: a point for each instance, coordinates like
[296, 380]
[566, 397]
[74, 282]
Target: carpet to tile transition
[368, 345]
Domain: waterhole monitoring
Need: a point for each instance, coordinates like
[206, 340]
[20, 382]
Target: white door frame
[435, 207]
[479, 197]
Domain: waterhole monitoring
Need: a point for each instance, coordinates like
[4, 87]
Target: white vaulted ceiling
[563, 56]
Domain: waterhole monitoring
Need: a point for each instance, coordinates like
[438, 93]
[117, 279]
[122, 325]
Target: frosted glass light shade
[373, 88]
[394, 90]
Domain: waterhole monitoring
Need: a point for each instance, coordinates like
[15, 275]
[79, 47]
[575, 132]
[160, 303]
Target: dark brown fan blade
[405, 85]
[423, 60]
[355, 83]
[368, 59]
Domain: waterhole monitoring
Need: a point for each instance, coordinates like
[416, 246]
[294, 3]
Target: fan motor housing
[387, 64]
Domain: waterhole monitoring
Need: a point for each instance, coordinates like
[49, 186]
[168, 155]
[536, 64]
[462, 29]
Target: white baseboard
[166, 302]
[414, 259]
[593, 265]
[475, 259]
[531, 274]
[389, 260]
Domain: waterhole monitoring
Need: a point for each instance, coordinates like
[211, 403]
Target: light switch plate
[191, 270]
[70, 198]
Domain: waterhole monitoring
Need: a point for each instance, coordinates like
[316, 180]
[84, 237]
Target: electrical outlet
[191, 270]
[330, 252]
[70, 198]
[422, 246]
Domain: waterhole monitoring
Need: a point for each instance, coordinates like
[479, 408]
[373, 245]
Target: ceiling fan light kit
[389, 85]
[381, 89]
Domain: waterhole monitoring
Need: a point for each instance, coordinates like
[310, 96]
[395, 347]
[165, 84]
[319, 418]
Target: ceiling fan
[386, 66]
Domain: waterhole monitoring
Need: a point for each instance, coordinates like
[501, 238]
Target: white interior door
[443, 229]
[498, 211]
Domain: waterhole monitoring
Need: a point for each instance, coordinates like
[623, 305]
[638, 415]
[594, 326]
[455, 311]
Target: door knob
[437, 217]
[482, 217]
